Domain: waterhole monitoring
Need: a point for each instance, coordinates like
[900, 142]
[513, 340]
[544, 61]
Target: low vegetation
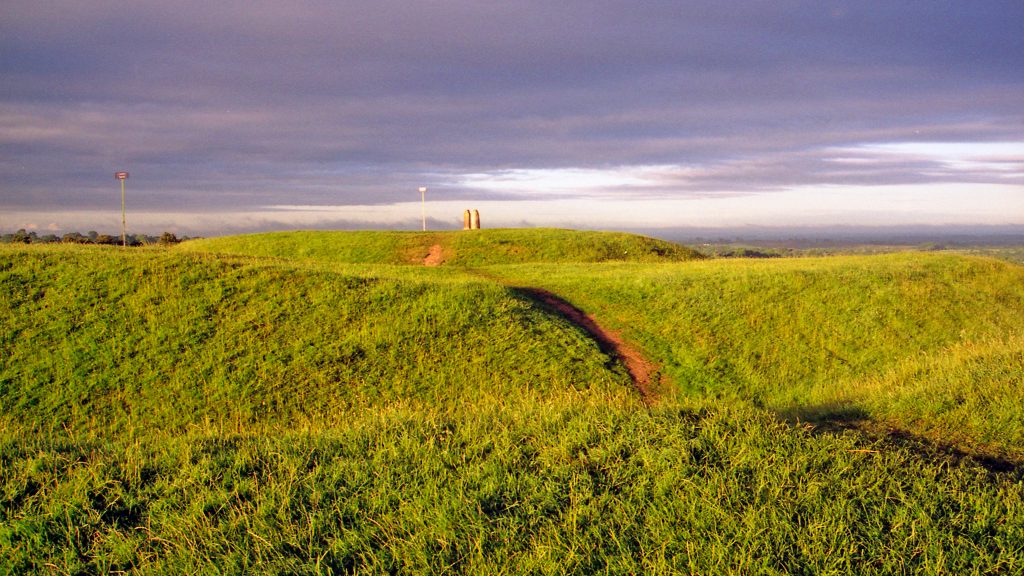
[479, 248]
[92, 237]
[311, 403]
[137, 339]
[902, 338]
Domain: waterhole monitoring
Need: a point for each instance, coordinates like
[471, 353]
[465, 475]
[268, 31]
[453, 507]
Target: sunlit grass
[99, 338]
[270, 411]
[460, 248]
[823, 338]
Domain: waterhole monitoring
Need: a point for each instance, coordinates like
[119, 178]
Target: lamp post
[122, 176]
[423, 206]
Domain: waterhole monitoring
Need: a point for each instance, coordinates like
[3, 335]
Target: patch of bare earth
[435, 257]
[645, 375]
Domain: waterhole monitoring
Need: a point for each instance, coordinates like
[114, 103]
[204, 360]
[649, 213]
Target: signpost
[423, 209]
[122, 176]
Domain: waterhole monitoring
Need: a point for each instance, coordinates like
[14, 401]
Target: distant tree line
[92, 237]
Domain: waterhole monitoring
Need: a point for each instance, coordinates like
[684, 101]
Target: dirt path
[645, 375]
[435, 256]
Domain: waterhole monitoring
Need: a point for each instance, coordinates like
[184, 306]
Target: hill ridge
[459, 248]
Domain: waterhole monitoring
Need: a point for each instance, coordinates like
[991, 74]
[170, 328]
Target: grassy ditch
[929, 343]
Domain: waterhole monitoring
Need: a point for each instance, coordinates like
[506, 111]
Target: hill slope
[462, 248]
[168, 339]
[167, 411]
[899, 338]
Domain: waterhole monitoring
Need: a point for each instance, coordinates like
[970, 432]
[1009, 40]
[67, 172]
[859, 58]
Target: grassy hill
[476, 248]
[929, 343]
[150, 337]
[312, 403]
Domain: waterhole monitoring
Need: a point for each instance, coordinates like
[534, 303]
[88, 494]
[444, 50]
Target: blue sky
[242, 116]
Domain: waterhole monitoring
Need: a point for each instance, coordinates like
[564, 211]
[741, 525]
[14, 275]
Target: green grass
[1008, 253]
[1013, 254]
[462, 248]
[350, 248]
[823, 339]
[147, 338]
[562, 486]
[307, 403]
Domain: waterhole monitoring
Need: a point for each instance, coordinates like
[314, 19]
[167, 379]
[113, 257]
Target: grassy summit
[462, 248]
[319, 403]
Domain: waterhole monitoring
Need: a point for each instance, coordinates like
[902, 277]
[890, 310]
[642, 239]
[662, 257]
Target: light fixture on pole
[122, 176]
[423, 206]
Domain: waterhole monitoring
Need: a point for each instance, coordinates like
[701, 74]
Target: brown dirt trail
[645, 375]
[435, 257]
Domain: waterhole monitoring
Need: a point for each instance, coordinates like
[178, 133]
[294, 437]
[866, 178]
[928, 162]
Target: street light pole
[122, 176]
[423, 206]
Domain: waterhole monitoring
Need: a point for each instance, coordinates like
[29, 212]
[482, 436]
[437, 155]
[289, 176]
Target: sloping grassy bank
[931, 343]
[100, 338]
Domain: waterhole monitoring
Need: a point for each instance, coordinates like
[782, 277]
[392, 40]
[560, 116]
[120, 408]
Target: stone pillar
[474, 221]
[466, 221]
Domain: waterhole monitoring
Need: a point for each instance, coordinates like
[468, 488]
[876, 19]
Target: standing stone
[475, 220]
[467, 223]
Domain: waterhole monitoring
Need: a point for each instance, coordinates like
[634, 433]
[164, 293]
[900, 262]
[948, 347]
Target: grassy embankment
[172, 411]
[510, 246]
[932, 344]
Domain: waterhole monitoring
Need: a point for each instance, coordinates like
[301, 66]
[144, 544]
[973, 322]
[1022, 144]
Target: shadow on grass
[554, 303]
[645, 375]
[837, 418]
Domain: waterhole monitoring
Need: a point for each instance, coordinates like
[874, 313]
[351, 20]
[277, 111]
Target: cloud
[227, 106]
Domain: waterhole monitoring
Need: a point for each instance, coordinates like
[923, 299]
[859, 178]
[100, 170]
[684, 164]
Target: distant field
[1009, 253]
[323, 403]
[780, 249]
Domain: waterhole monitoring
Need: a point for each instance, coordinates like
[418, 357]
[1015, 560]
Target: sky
[240, 116]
